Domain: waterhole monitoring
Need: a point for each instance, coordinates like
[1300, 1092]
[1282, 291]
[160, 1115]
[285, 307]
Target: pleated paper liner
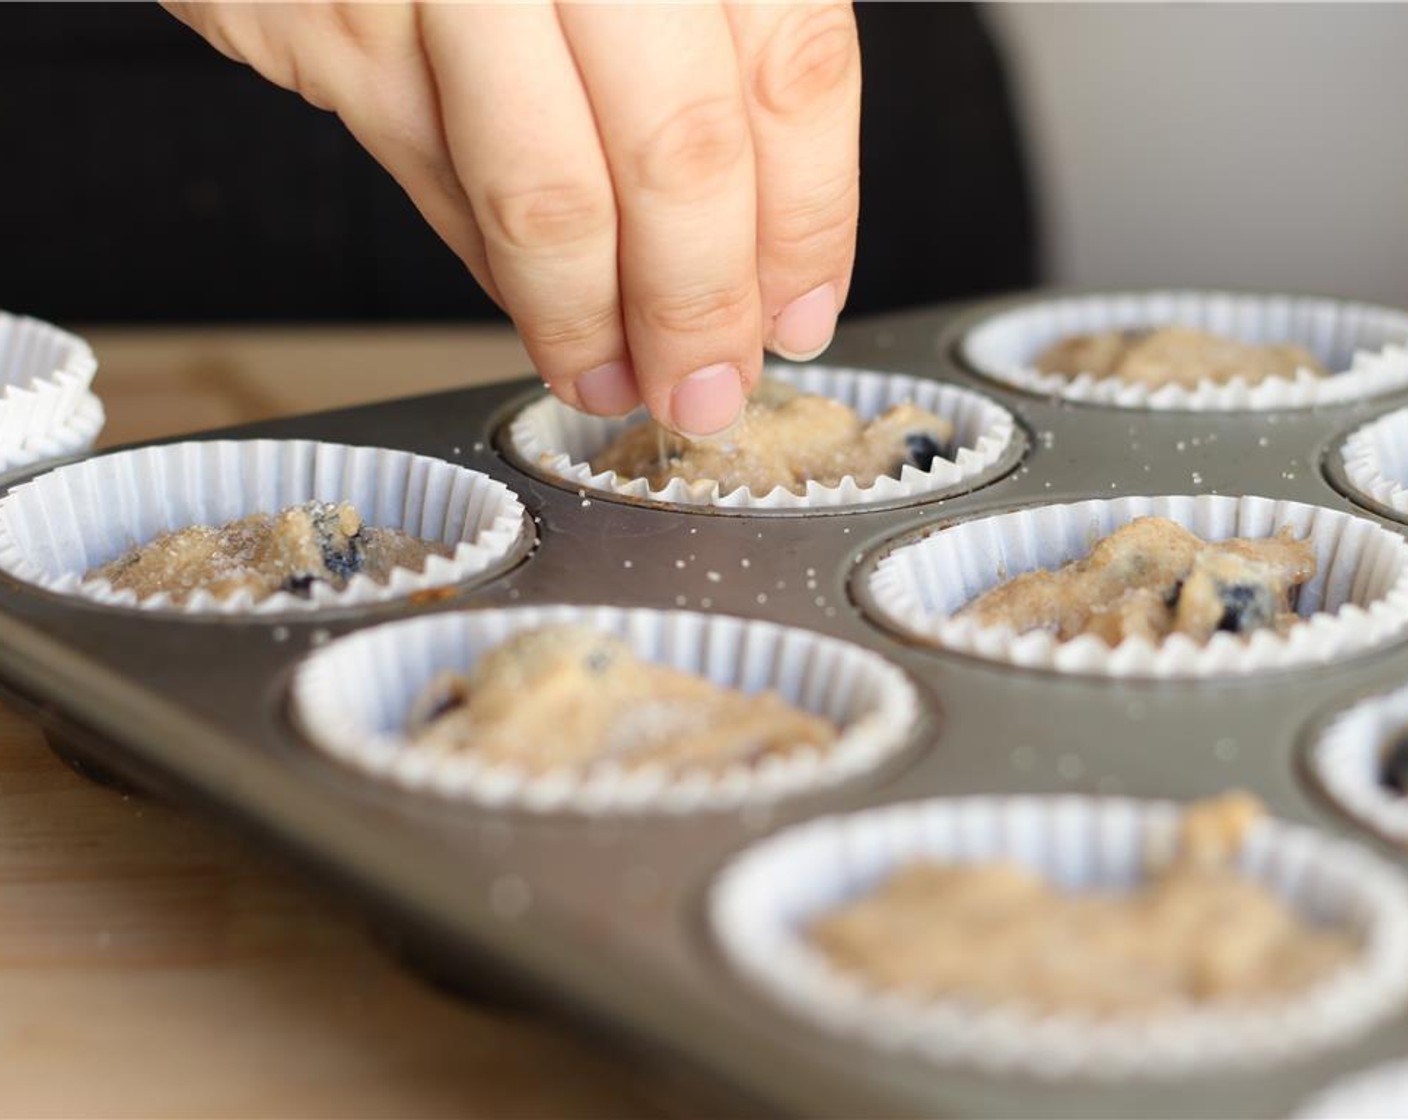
[1357, 599]
[60, 525]
[1364, 346]
[1375, 458]
[45, 374]
[353, 698]
[763, 902]
[1347, 758]
[560, 441]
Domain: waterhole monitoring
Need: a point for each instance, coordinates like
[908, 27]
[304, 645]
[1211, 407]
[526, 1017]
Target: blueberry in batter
[291, 551]
[1153, 578]
[1393, 764]
[922, 449]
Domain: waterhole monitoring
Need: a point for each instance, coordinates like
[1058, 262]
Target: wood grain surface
[152, 965]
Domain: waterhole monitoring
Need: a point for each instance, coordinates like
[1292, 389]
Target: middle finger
[521, 133]
[665, 90]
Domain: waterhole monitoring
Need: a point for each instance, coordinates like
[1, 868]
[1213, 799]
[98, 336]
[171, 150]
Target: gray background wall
[1256, 146]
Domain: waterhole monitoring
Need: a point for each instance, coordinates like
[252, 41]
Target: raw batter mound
[1197, 931]
[570, 698]
[1153, 578]
[317, 542]
[1173, 356]
[784, 438]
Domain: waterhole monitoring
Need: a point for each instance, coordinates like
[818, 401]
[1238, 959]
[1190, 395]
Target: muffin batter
[317, 542]
[1153, 578]
[569, 698]
[1173, 356]
[1198, 931]
[784, 438]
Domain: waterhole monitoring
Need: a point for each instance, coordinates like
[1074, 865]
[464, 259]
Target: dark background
[146, 178]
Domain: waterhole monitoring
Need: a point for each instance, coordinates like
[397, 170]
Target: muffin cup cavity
[1357, 599]
[763, 901]
[45, 402]
[1375, 462]
[1347, 759]
[559, 442]
[60, 525]
[353, 699]
[1364, 346]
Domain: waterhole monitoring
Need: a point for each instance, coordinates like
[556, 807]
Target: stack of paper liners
[561, 441]
[47, 409]
[60, 525]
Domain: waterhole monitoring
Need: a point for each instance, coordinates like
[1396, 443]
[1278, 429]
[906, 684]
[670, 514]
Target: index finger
[675, 132]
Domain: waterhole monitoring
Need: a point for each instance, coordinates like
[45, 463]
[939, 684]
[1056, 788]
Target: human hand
[653, 193]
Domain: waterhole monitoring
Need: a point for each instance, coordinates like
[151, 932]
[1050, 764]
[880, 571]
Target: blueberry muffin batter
[568, 698]
[1153, 578]
[317, 542]
[1173, 356]
[784, 438]
[1196, 932]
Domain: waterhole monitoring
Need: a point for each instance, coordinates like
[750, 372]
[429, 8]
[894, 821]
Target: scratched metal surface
[604, 919]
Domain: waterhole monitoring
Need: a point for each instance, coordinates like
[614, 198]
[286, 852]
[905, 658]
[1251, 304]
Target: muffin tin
[555, 443]
[606, 917]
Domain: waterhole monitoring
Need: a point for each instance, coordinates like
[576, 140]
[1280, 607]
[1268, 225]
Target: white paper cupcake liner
[561, 441]
[1365, 346]
[1376, 460]
[763, 902]
[44, 376]
[1380, 1093]
[75, 435]
[1345, 759]
[353, 697]
[1357, 599]
[62, 524]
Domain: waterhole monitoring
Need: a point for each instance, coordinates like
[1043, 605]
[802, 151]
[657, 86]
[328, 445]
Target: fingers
[801, 80]
[521, 133]
[664, 87]
[594, 167]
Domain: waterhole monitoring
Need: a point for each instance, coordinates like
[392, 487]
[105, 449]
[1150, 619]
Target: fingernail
[803, 328]
[707, 401]
[608, 390]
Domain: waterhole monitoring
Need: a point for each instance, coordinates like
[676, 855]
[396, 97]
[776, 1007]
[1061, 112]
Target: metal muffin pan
[604, 919]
